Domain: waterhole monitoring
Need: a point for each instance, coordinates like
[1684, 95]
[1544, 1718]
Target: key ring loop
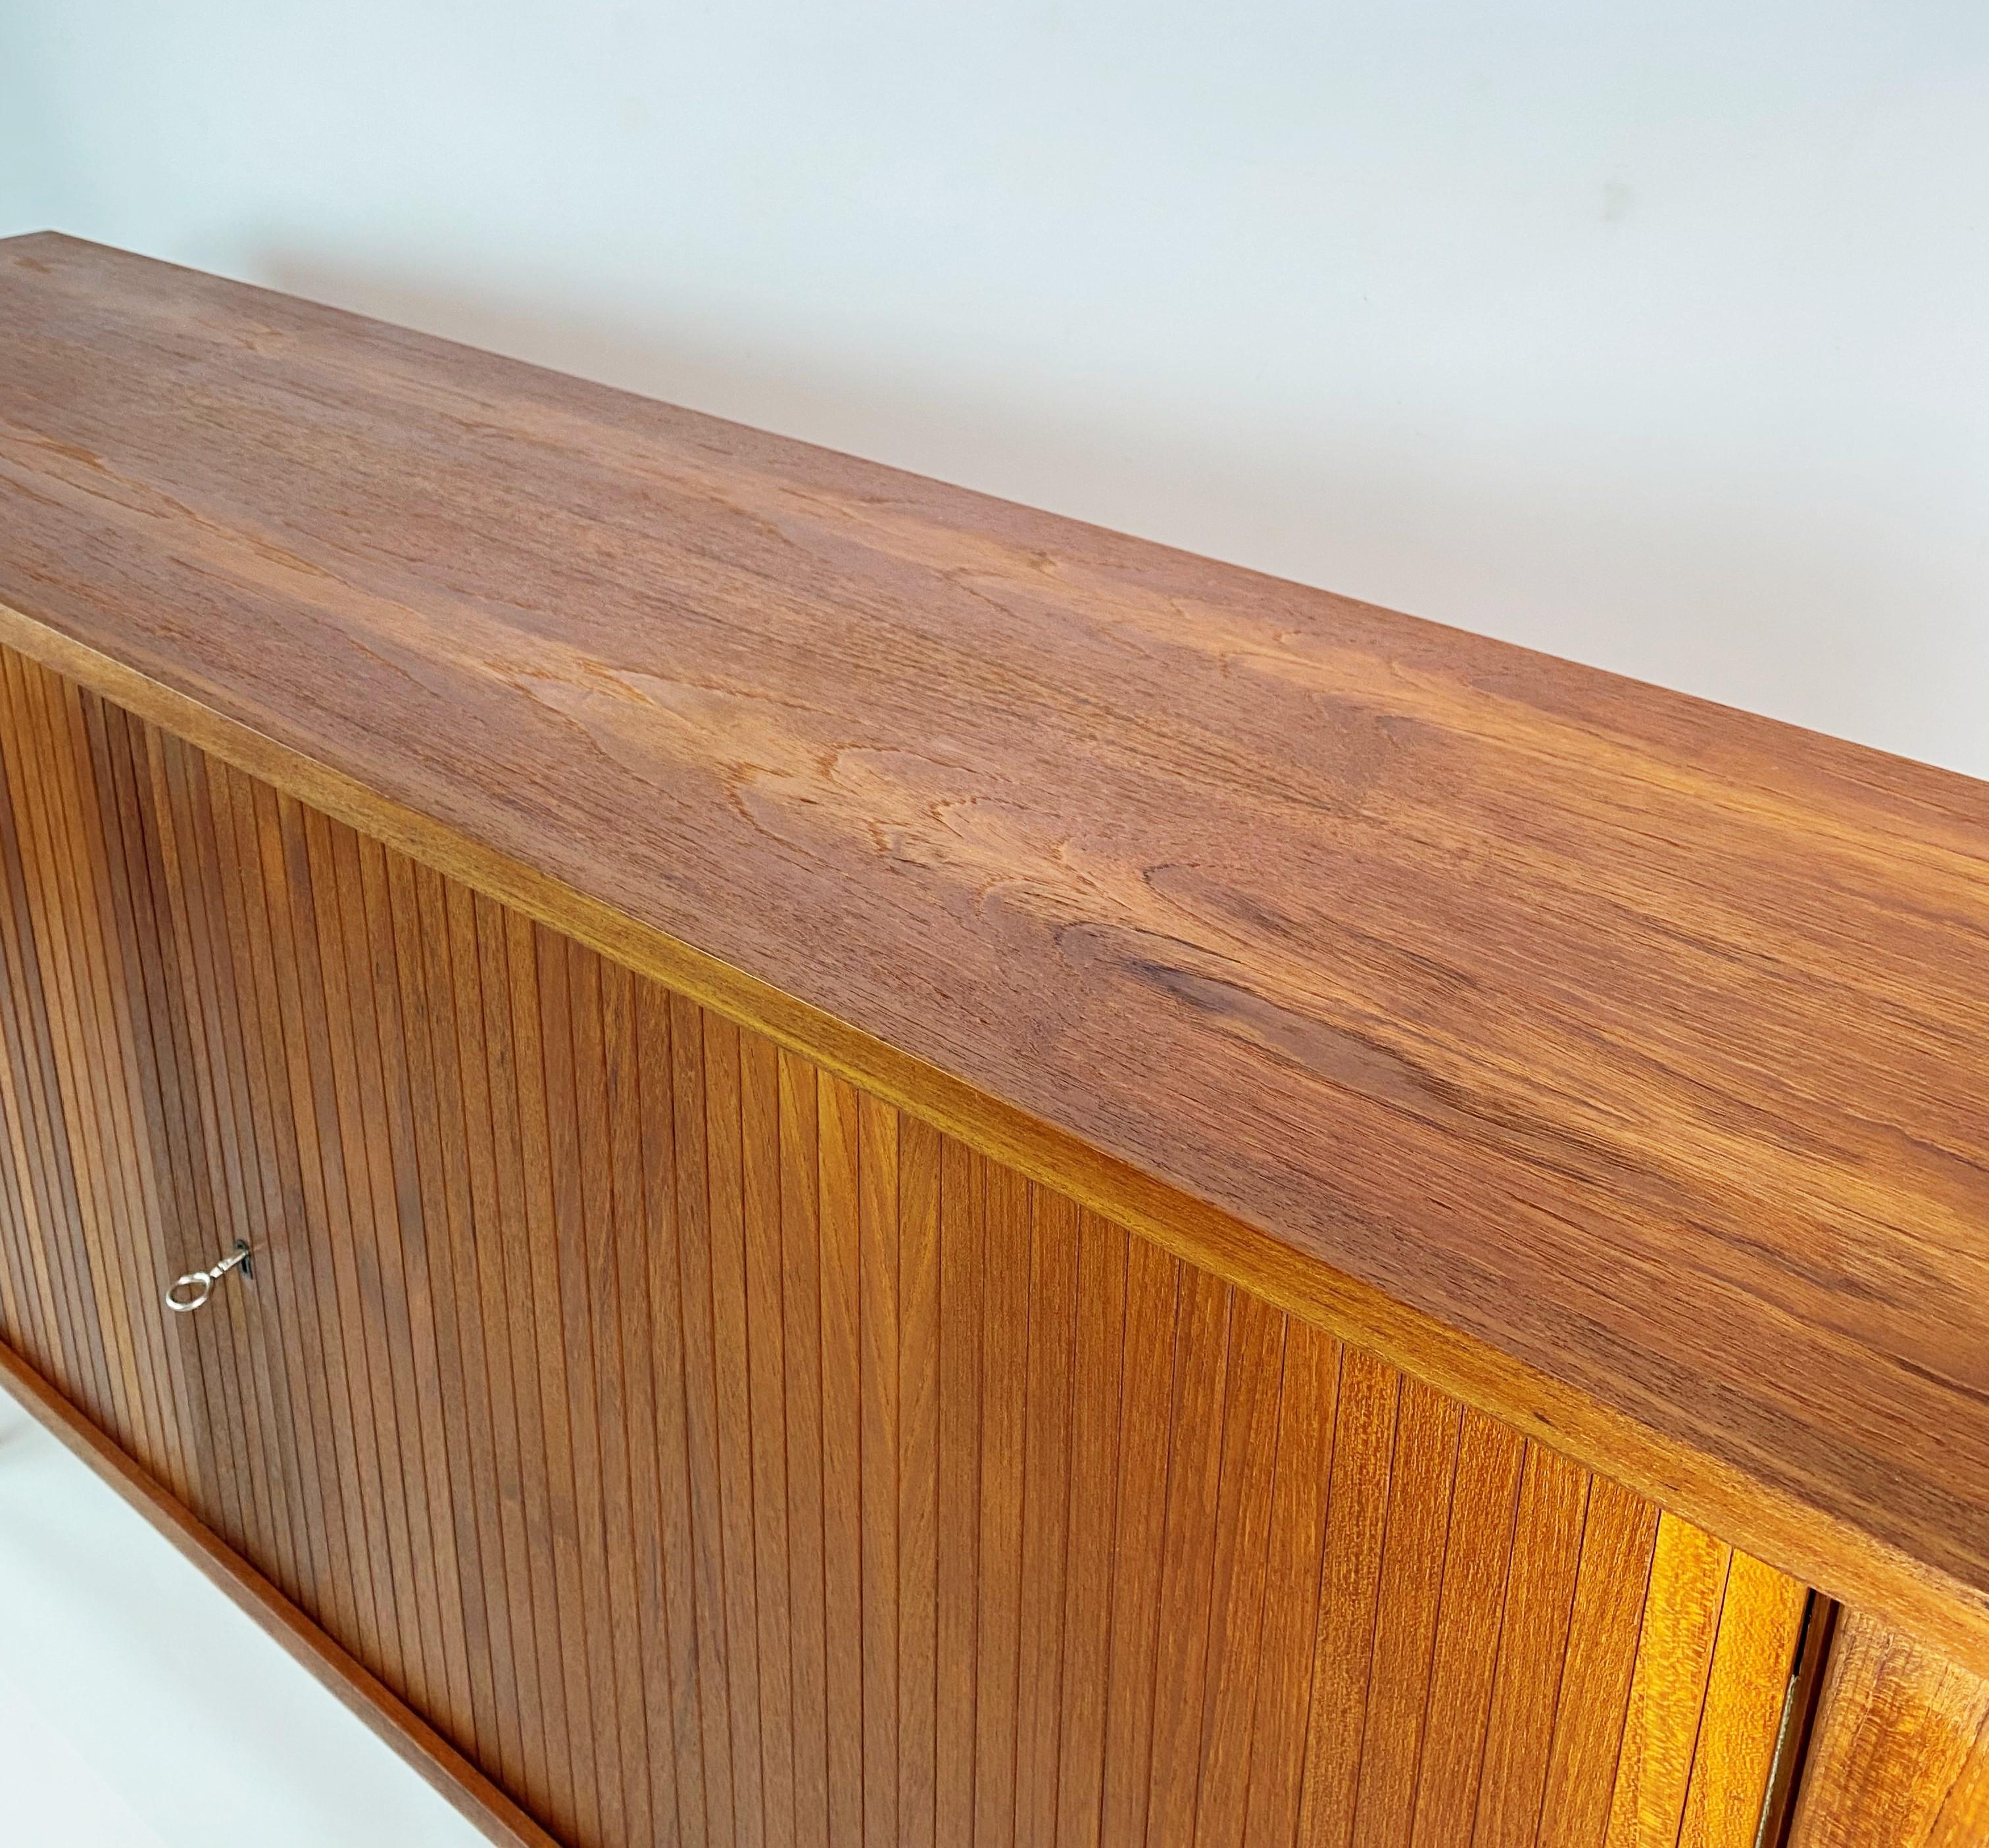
[198, 1285]
[202, 1284]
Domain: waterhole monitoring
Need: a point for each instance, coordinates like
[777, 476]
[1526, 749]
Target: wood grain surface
[1613, 1060]
[1900, 1756]
[713, 1454]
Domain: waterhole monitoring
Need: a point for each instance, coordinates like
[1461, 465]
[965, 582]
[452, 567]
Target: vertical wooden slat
[121, 816]
[353, 1258]
[1005, 1348]
[35, 1095]
[1047, 1403]
[961, 1329]
[528, 1324]
[181, 1041]
[724, 1181]
[1614, 1576]
[919, 1159]
[560, 1326]
[1475, 1558]
[1688, 1573]
[801, 1238]
[1533, 1637]
[843, 1455]
[17, 1326]
[766, 1326]
[35, 1131]
[132, 1271]
[209, 1137]
[586, 1620]
[265, 1321]
[674, 1543]
[701, 1405]
[1146, 1404]
[617, 1635]
[331, 1340]
[1257, 1336]
[1187, 1565]
[240, 1132]
[73, 944]
[1308, 1406]
[879, 1384]
[39, 1130]
[408, 1077]
[148, 921]
[1364, 1450]
[350, 1115]
[652, 1803]
[1091, 1570]
[372, 1248]
[214, 1089]
[421, 917]
[523, 1748]
[405, 1313]
[1760, 1620]
[1420, 1497]
[101, 1226]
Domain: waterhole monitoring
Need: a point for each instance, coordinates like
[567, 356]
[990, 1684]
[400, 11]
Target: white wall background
[140, 1709]
[1656, 336]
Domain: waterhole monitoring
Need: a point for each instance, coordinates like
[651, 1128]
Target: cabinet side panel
[1901, 1751]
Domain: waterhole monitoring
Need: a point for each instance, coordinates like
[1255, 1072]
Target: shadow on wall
[1741, 591]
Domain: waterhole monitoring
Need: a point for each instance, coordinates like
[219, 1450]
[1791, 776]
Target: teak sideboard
[912, 1176]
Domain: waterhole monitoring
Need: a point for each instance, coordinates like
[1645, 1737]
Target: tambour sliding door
[715, 1453]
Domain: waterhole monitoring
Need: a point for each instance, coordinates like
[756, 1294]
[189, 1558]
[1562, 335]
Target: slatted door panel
[94, 1183]
[719, 1456]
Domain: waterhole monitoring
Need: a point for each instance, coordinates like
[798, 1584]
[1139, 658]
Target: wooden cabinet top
[1618, 1061]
